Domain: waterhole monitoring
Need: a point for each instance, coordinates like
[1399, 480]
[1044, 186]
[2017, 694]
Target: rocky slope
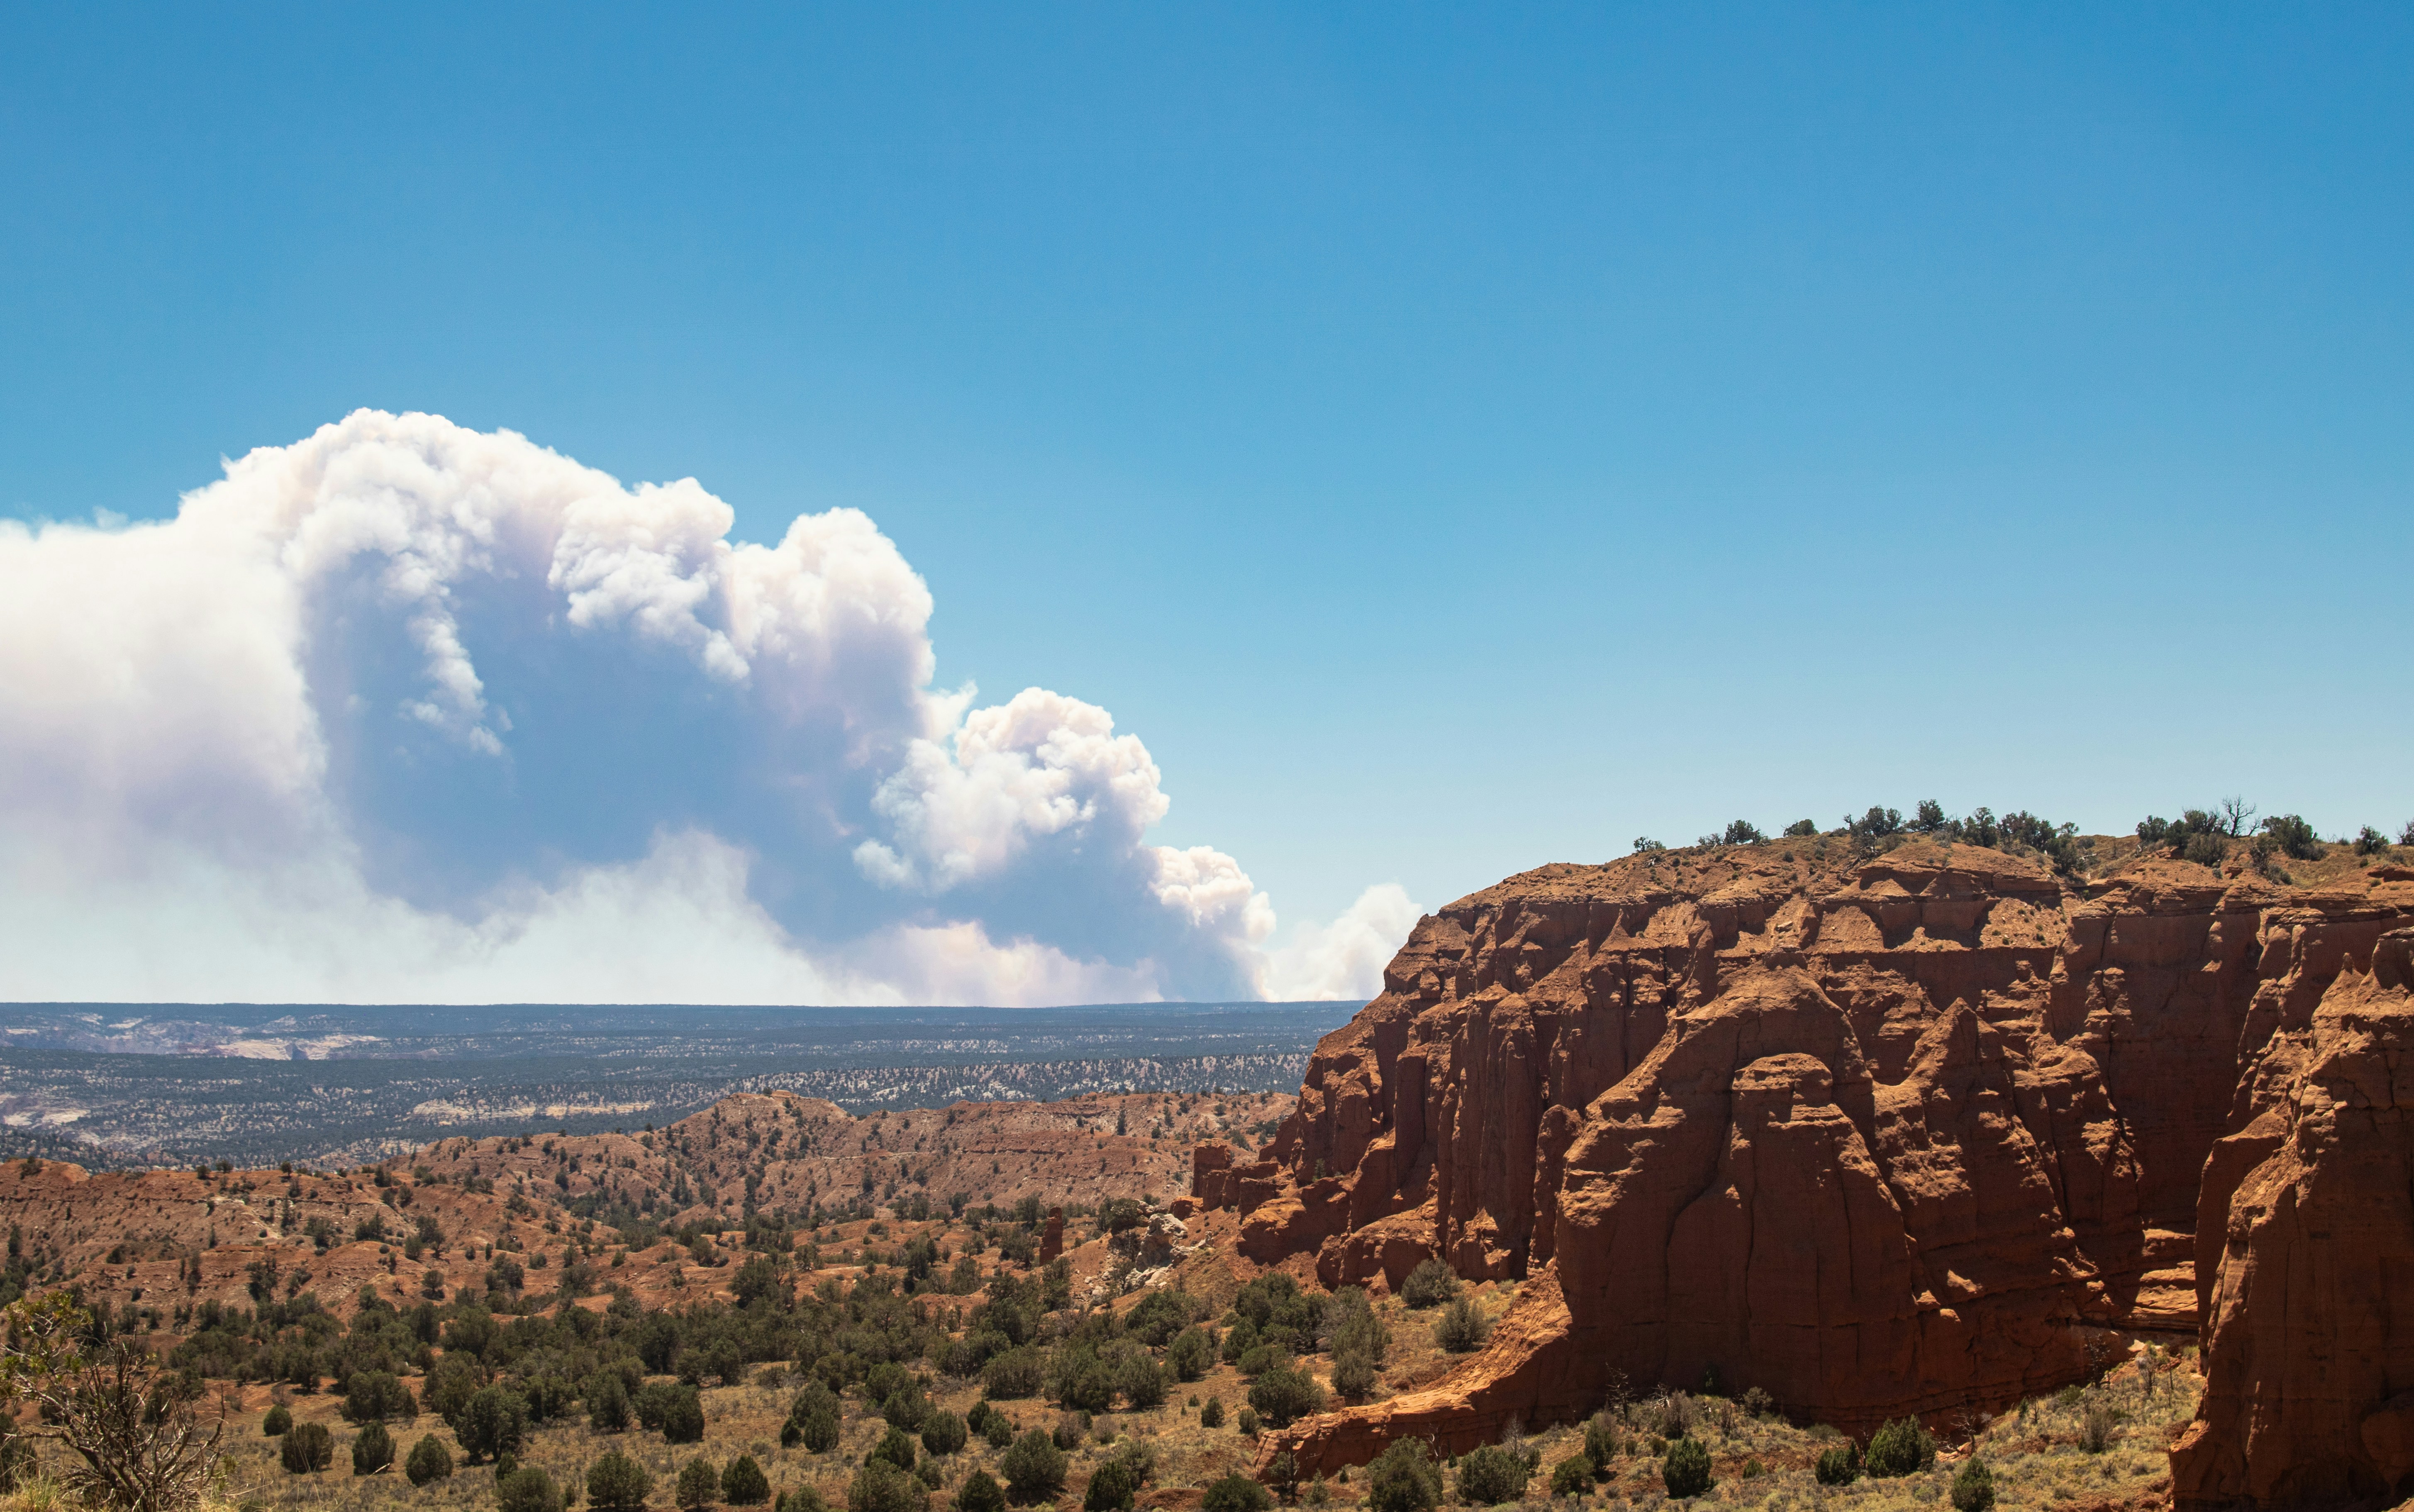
[1879, 1135]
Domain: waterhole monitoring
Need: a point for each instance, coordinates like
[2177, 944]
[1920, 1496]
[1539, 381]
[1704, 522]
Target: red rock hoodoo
[1880, 1135]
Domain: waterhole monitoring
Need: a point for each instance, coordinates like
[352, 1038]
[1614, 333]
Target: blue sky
[1452, 439]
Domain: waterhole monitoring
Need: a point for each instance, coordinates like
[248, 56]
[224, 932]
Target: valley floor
[2035, 1454]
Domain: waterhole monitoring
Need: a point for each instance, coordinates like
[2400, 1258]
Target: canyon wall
[1880, 1135]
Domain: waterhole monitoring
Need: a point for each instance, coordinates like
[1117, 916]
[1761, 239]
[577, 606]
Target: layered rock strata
[1901, 1135]
[2306, 1219]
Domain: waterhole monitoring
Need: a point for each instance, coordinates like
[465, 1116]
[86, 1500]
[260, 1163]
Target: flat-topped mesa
[1881, 1136]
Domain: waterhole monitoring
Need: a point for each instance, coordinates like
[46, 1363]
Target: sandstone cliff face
[2309, 1350]
[1878, 1136]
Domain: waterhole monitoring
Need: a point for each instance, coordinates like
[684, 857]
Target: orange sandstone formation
[1879, 1135]
[2309, 1363]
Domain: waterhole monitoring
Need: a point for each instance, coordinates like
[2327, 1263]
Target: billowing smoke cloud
[406, 712]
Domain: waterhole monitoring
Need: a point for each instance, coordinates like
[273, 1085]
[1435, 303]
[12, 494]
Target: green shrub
[608, 1402]
[1283, 1470]
[1571, 1476]
[2370, 842]
[1686, 1471]
[816, 1432]
[931, 1472]
[1141, 1381]
[2294, 836]
[1838, 1466]
[1110, 1489]
[896, 1446]
[307, 1448]
[2095, 1429]
[698, 1482]
[372, 1449]
[430, 1461]
[980, 1492]
[743, 1483]
[1350, 1326]
[1754, 1469]
[1403, 1478]
[1430, 1284]
[1137, 1456]
[1460, 1329]
[1353, 1373]
[1973, 1486]
[803, 1499]
[276, 1422]
[1259, 1358]
[494, 1423]
[616, 1483]
[1281, 1395]
[683, 1417]
[1876, 824]
[881, 1487]
[1211, 1412]
[1034, 1468]
[1238, 1341]
[1601, 1443]
[1490, 1475]
[1801, 830]
[943, 1432]
[526, 1489]
[1191, 1353]
[374, 1395]
[1901, 1447]
[1236, 1493]
[1000, 1431]
[1015, 1374]
[1758, 1402]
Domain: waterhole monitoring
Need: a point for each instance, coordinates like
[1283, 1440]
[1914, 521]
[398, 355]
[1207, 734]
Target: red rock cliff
[2309, 1350]
[1878, 1136]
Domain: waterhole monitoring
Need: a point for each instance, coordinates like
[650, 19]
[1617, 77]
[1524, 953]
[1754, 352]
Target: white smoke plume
[405, 712]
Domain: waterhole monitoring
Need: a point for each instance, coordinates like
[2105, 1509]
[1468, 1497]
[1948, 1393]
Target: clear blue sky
[1452, 438]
